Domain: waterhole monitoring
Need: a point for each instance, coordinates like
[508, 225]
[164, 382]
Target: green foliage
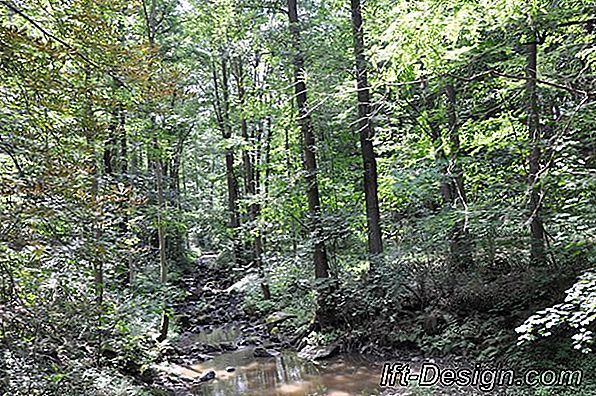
[97, 96]
[578, 313]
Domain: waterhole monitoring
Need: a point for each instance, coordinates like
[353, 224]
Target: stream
[216, 352]
[283, 375]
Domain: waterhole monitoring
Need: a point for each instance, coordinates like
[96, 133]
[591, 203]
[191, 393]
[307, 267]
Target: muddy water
[285, 375]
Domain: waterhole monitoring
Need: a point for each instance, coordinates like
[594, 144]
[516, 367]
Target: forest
[288, 197]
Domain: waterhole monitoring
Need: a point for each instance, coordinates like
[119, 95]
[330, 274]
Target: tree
[537, 244]
[365, 129]
[309, 146]
[222, 111]
[139, 140]
[251, 180]
[455, 193]
[152, 22]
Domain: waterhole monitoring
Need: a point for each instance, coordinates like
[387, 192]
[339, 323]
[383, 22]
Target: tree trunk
[325, 315]
[266, 165]
[222, 104]
[365, 127]
[96, 213]
[123, 142]
[440, 155]
[131, 169]
[458, 194]
[255, 212]
[460, 243]
[308, 137]
[150, 19]
[441, 159]
[108, 151]
[177, 240]
[250, 185]
[161, 235]
[451, 178]
[267, 156]
[537, 242]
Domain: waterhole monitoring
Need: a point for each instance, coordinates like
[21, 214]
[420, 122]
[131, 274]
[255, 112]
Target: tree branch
[50, 35]
[523, 78]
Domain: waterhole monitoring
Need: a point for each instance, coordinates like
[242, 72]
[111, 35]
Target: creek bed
[284, 375]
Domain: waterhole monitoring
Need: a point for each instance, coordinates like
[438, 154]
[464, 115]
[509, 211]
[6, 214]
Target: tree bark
[458, 194]
[222, 103]
[537, 242]
[96, 213]
[250, 181]
[150, 19]
[440, 154]
[161, 235]
[267, 156]
[309, 143]
[460, 243]
[365, 127]
[123, 142]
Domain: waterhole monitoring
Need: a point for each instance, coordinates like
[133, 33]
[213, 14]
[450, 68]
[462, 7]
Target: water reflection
[285, 375]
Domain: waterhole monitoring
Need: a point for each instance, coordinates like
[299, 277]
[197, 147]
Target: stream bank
[224, 351]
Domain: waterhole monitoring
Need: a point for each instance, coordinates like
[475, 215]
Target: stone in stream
[265, 353]
[207, 376]
[312, 352]
[211, 348]
[250, 340]
[228, 346]
[236, 316]
[243, 284]
[201, 356]
[277, 318]
[168, 350]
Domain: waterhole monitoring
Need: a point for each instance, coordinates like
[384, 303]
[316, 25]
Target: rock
[177, 360]
[275, 338]
[230, 369]
[207, 376]
[168, 351]
[204, 356]
[251, 340]
[184, 320]
[243, 284]
[108, 352]
[210, 348]
[265, 353]
[312, 352]
[228, 346]
[130, 366]
[148, 374]
[277, 318]
[432, 323]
